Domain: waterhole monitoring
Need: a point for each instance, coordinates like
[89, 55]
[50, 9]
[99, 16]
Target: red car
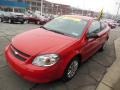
[56, 49]
[36, 20]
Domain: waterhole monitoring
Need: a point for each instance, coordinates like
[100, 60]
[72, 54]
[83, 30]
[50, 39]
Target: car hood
[41, 41]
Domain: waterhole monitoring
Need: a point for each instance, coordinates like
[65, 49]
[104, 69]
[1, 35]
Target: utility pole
[52, 8]
[30, 5]
[61, 12]
[72, 9]
[57, 9]
[41, 7]
[118, 9]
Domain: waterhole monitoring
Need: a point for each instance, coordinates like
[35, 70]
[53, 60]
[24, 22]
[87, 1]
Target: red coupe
[37, 20]
[56, 49]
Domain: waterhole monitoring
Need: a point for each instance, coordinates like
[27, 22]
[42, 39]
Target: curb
[113, 73]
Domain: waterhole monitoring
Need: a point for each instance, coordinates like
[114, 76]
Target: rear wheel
[102, 48]
[38, 22]
[27, 21]
[22, 22]
[71, 69]
[10, 21]
[0, 19]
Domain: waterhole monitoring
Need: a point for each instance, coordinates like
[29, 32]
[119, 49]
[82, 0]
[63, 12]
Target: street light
[57, 9]
[30, 3]
[52, 5]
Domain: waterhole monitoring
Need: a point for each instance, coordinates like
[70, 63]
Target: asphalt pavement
[88, 77]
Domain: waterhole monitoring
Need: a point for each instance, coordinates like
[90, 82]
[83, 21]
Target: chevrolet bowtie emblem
[16, 53]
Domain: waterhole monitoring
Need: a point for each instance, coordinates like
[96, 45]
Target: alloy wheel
[72, 69]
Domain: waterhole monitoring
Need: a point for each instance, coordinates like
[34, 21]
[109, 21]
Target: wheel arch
[74, 56]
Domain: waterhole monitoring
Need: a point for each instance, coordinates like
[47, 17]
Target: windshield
[1, 12]
[7, 14]
[67, 25]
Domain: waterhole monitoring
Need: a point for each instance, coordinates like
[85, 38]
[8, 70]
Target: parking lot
[87, 78]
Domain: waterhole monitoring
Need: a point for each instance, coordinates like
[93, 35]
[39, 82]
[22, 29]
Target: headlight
[46, 60]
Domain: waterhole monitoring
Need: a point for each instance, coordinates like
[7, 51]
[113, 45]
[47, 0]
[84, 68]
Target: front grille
[24, 54]
[18, 54]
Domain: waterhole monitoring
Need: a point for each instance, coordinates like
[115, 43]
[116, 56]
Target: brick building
[49, 7]
[57, 9]
[83, 12]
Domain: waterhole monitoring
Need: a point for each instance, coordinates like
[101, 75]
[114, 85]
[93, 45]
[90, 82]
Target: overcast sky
[109, 6]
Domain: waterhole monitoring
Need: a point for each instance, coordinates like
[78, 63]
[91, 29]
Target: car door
[105, 33]
[91, 44]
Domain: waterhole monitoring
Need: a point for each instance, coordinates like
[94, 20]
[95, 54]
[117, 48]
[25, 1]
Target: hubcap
[38, 22]
[26, 21]
[9, 21]
[72, 69]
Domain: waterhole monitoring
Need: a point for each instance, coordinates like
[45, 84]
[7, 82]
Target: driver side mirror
[92, 35]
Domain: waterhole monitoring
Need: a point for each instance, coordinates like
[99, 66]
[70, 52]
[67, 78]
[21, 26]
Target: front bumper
[18, 19]
[30, 72]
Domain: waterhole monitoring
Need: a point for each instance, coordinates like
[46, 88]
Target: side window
[103, 26]
[95, 27]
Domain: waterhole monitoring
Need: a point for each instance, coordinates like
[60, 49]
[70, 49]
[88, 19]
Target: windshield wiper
[43, 27]
[57, 32]
[61, 33]
[54, 31]
[51, 30]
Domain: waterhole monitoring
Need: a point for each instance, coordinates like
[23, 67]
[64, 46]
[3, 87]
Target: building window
[34, 3]
[28, 2]
[38, 4]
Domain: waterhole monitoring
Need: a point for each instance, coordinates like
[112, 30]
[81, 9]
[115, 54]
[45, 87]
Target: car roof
[80, 17]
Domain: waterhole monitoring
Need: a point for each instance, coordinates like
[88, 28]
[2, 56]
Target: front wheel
[10, 21]
[102, 48]
[22, 22]
[71, 69]
[37, 22]
[1, 20]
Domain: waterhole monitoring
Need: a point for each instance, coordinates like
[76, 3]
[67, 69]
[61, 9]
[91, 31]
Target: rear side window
[103, 26]
[95, 27]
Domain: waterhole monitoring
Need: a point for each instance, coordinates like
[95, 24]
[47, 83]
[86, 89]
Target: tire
[71, 69]
[102, 48]
[0, 19]
[26, 21]
[22, 22]
[10, 21]
[38, 22]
